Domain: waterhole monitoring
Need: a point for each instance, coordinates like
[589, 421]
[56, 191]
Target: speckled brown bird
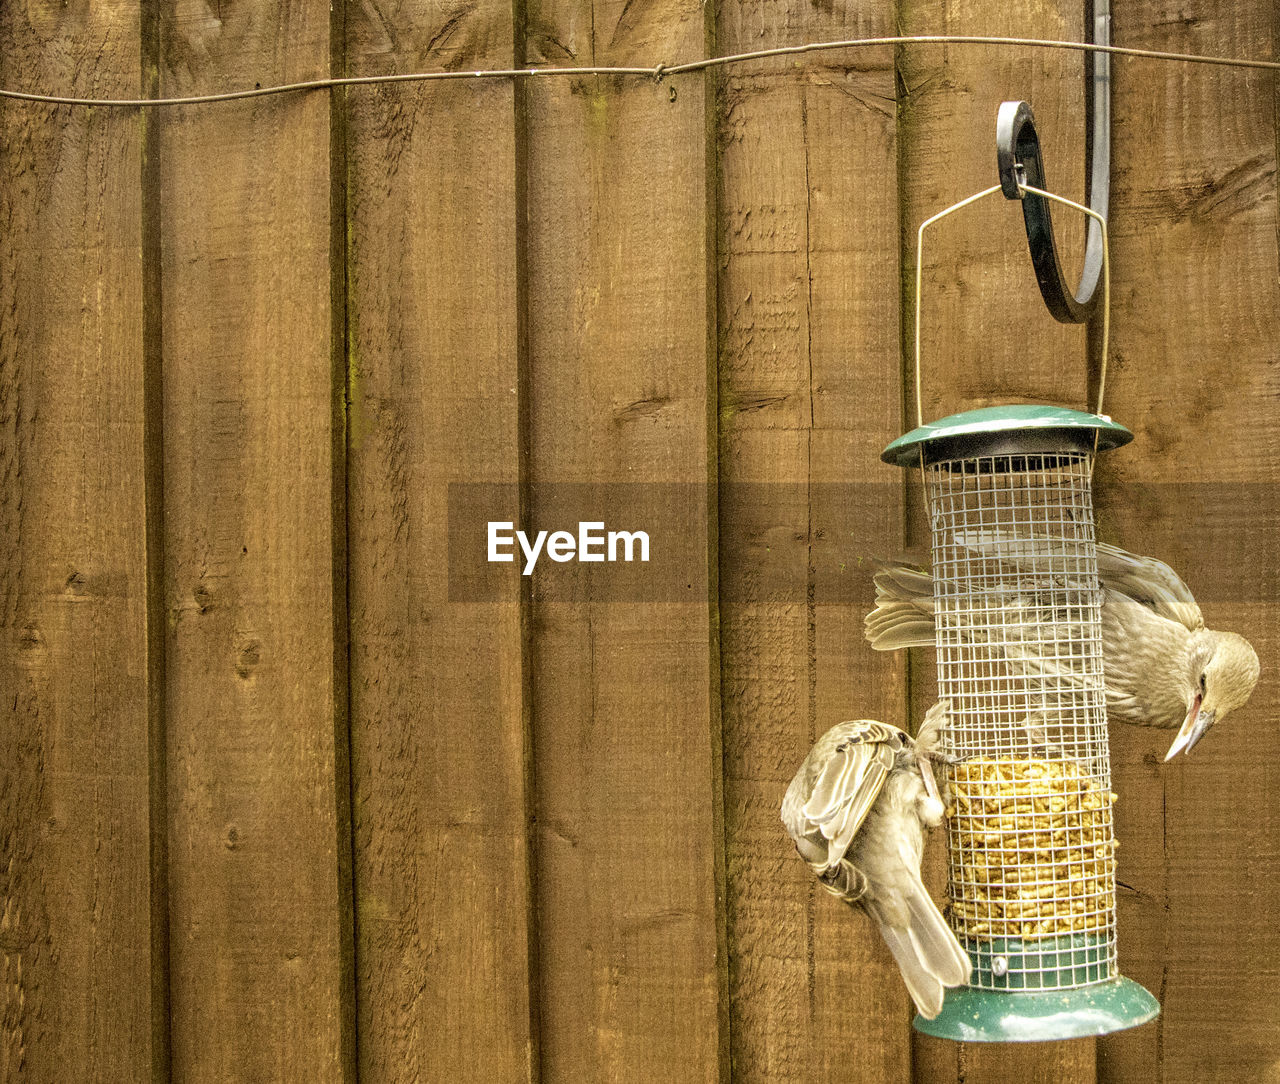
[1163, 668]
[857, 810]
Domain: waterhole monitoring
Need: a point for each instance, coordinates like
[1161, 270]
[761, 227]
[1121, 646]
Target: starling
[1162, 667]
[857, 810]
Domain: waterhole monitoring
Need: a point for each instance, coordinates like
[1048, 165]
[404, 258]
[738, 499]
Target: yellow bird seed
[1032, 850]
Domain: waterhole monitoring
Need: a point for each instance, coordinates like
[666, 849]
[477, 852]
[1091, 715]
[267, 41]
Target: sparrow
[856, 811]
[1162, 667]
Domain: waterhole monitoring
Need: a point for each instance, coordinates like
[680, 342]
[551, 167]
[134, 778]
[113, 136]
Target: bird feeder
[1018, 607]
[1018, 616]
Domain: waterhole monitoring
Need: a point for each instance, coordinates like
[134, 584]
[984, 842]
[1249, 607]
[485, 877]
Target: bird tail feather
[927, 952]
[937, 944]
[903, 616]
[925, 989]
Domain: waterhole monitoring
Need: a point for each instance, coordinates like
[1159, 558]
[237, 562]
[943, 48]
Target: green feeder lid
[994, 1016]
[1018, 428]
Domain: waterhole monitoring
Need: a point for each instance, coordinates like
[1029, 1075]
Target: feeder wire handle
[1105, 268]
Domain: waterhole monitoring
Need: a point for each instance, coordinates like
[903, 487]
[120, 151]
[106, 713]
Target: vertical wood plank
[439, 702]
[978, 284]
[1195, 334]
[809, 395]
[79, 996]
[259, 975]
[626, 701]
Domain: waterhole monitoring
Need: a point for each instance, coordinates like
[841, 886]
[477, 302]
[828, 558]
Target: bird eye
[1202, 688]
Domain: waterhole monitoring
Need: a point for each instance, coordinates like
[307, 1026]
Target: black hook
[1019, 161]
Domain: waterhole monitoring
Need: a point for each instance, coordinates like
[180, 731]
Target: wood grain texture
[626, 702]
[259, 975]
[809, 394]
[79, 996]
[439, 704]
[987, 336]
[1197, 323]
[619, 283]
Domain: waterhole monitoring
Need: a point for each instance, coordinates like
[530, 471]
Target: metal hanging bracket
[1022, 168]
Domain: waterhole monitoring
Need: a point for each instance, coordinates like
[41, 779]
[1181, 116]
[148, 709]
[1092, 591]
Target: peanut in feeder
[1017, 604]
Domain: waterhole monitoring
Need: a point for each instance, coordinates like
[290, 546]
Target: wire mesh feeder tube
[1032, 868]
[1017, 607]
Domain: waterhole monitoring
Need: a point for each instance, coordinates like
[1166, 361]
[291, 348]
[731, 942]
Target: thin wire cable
[976, 39]
[1106, 279]
[325, 84]
[657, 72]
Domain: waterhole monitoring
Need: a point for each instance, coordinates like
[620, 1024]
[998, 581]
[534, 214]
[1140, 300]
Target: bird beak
[1192, 730]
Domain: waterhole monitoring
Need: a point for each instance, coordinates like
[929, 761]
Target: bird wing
[1149, 582]
[904, 611]
[1146, 580]
[848, 782]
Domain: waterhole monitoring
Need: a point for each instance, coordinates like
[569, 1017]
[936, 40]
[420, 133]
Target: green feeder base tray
[996, 1016]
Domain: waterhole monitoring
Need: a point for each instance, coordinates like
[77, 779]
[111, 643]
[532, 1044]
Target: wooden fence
[281, 802]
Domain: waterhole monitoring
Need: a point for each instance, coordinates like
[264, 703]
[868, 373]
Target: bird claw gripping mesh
[845, 880]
